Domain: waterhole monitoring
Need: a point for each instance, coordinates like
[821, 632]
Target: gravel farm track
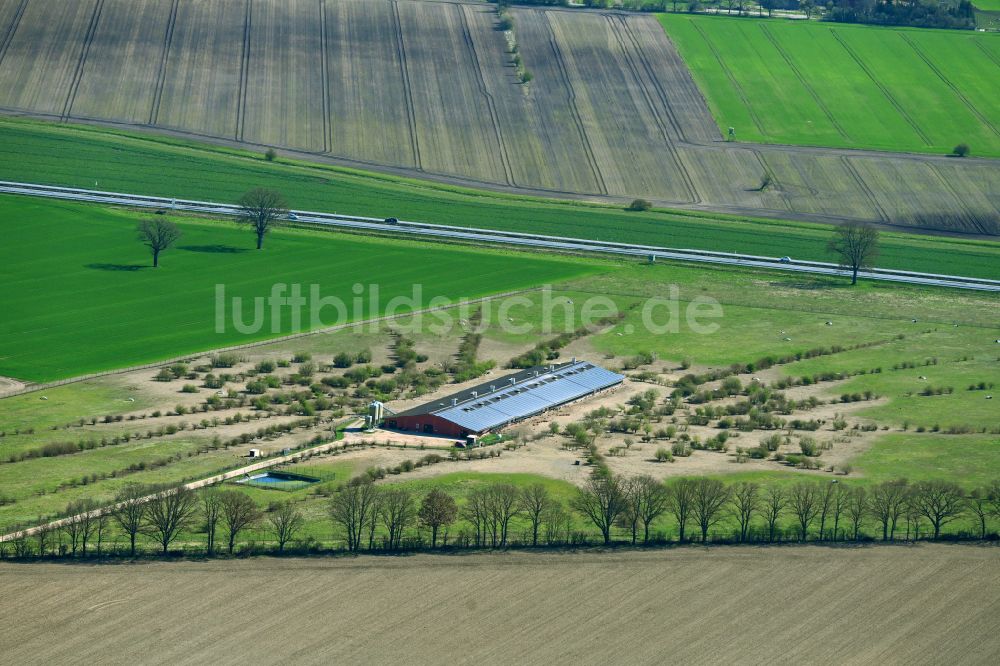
[931, 603]
[426, 88]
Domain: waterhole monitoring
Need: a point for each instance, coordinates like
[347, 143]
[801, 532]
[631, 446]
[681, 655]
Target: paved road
[494, 237]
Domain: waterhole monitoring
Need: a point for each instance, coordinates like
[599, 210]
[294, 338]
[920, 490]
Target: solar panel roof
[533, 391]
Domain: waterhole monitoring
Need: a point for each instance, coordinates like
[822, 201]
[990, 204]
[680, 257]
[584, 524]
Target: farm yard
[904, 357]
[591, 607]
[610, 113]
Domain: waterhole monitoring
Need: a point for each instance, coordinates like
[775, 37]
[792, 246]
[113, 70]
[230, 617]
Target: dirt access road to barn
[912, 604]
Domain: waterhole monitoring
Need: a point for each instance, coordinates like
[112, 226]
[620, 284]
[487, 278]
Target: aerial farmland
[427, 330]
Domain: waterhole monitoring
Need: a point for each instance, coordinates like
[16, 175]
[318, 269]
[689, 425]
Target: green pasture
[90, 157]
[79, 295]
[845, 86]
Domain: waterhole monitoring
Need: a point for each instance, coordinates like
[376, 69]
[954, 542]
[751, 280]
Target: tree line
[372, 517]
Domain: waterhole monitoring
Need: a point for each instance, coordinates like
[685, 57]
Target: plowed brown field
[429, 88]
[926, 604]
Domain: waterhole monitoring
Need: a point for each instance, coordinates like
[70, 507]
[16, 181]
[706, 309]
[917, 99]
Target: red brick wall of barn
[417, 423]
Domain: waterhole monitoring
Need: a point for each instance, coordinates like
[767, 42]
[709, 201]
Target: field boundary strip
[325, 66]
[490, 103]
[404, 73]
[258, 343]
[944, 79]
[614, 22]
[161, 75]
[81, 63]
[885, 91]
[574, 111]
[11, 29]
[732, 78]
[802, 79]
[241, 98]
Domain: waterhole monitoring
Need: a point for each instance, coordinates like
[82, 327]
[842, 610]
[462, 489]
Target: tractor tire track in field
[955, 89]
[732, 79]
[405, 74]
[168, 38]
[325, 66]
[863, 186]
[490, 102]
[693, 196]
[81, 62]
[881, 86]
[768, 170]
[989, 54]
[974, 220]
[804, 81]
[650, 74]
[11, 29]
[574, 111]
[241, 93]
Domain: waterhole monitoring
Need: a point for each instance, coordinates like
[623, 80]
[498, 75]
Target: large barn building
[505, 400]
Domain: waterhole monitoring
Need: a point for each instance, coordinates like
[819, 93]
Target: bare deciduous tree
[168, 513]
[857, 509]
[286, 520]
[744, 503]
[887, 503]
[710, 498]
[158, 235]
[653, 500]
[601, 499]
[680, 502]
[351, 508]
[129, 512]
[774, 505]
[238, 512]
[980, 506]
[856, 247]
[211, 511]
[503, 505]
[398, 512]
[805, 499]
[437, 510]
[940, 502]
[263, 210]
[556, 524]
[534, 501]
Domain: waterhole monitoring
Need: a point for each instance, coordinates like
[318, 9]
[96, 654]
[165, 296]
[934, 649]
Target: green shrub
[639, 205]
[663, 455]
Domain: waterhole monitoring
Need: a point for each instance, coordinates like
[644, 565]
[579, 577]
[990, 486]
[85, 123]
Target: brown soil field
[430, 89]
[906, 604]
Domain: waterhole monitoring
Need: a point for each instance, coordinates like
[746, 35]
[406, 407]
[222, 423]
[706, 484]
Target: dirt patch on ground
[9, 385]
[900, 604]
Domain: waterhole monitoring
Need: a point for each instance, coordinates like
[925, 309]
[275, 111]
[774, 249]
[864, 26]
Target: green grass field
[79, 295]
[845, 86]
[88, 157]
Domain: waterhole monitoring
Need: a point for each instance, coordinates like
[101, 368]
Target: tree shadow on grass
[116, 267]
[213, 249]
